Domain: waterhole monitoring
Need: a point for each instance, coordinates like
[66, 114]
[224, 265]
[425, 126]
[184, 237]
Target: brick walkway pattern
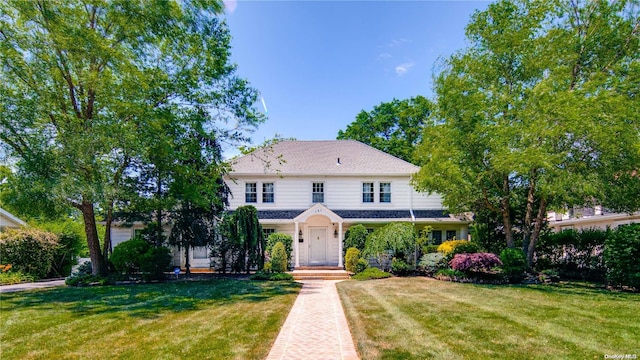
[316, 327]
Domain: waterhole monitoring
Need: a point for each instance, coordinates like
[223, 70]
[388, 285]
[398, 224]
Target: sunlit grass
[216, 319]
[419, 318]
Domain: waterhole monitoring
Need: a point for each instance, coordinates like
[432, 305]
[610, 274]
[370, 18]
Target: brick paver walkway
[316, 327]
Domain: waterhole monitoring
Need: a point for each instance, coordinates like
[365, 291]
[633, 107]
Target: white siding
[341, 193]
[120, 235]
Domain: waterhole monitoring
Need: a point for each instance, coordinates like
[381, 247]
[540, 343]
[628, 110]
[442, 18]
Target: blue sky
[319, 63]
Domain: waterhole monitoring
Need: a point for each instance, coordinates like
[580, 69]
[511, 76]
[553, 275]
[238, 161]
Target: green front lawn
[421, 318]
[216, 319]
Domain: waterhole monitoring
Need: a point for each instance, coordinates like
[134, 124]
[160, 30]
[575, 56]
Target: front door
[318, 246]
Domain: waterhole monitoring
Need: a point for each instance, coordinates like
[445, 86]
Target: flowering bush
[30, 251]
[448, 246]
[478, 262]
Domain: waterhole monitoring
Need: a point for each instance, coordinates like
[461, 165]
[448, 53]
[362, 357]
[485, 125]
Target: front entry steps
[319, 273]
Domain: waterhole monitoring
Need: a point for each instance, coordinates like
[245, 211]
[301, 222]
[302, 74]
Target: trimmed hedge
[29, 251]
[621, 254]
[351, 259]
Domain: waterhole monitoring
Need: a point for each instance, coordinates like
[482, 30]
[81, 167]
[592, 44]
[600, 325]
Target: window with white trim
[267, 193]
[367, 192]
[451, 234]
[318, 192]
[436, 236]
[251, 193]
[385, 192]
[200, 252]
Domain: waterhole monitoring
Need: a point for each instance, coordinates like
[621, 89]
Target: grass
[215, 319]
[421, 318]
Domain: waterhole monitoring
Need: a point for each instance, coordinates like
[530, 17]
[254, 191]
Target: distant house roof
[327, 157]
[7, 219]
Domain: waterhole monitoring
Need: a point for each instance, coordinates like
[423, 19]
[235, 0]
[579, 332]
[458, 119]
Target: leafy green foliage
[361, 265]
[351, 259]
[104, 105]
[242, 244]
[30, 251]
[279, 258]
[400, 267]
[526, 114]
[285, 239]
[155, 261]
[574, 254]
[72, 244]
[430, 263]
[393, 127]
[127, 257]
[397, 239]
[514, 264]
[621, 254]
[371, 273]
[356, 237]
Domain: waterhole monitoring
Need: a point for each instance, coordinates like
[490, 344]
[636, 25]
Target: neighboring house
[8, 220]
[315, 190]
[589, 218]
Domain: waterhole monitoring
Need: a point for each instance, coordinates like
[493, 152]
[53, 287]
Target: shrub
[356, 237]
[127, 256]
[400, 267]
[361, 266]
[371, 273]
[448, 246]
[621, 254]
[285, 239]
[82, 276]
[351, 259]
[450, 274]
[478, 262]
[260, 275]
[280, 277]
[432, 262]
[9, 276]
[395, 239]
[428, 249]
[29, 251]
[71, 244]
[575, 254]
[279, 260]
[155, 261]
[514, 264]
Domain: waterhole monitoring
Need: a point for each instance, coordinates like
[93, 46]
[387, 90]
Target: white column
[464, 234]
[340, 244]
[296, 246]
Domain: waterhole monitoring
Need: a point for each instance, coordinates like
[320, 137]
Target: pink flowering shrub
[478, 262]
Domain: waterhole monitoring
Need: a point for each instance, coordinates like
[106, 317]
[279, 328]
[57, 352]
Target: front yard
[421, 318]
[217, 319]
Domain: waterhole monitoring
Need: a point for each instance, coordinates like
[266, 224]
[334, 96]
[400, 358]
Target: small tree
[285, 239]
[279, 259]
[392, 240]
[356, 237]
[351, 259]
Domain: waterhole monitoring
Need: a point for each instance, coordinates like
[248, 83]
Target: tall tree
[527, 115]
[83, 82]
[394, 127]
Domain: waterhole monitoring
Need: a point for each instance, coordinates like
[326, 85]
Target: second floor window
[318, 192]
[385, 192]
[367, 192]
[267, 193]
[250, 193]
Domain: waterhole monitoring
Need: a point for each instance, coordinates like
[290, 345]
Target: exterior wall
[340, 193]
[563, 222]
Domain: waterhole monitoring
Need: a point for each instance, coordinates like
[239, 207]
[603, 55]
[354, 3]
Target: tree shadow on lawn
[148, 300]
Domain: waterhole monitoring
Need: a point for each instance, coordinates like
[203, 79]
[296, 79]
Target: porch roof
[420, 215]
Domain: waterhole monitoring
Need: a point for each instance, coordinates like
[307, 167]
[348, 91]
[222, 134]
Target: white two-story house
[315, 190]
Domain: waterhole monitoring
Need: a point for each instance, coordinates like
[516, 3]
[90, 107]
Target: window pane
[367, 192]
[385, 192]
[251, 192]
[267, 193]
[318, 192]
[451, 234]
[436, 235]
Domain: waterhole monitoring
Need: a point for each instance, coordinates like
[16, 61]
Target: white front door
[318, 246]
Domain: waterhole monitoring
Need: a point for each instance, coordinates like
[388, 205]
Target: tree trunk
[505, 210]
[542, 210]
[106, 247]
[529, 213]
[88, 215]
[187, 264]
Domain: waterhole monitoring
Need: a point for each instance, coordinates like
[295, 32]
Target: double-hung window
[436, 236]
[367, 192]
[251, 193]
[267, 193]
[385, 192]
[318, 192]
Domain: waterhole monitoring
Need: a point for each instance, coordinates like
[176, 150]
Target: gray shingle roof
[358, 214]
[321, 158]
